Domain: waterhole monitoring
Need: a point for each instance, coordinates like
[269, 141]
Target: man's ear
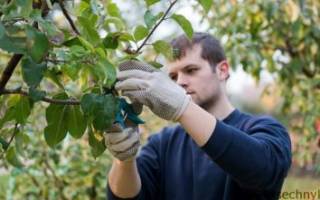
[222, 70]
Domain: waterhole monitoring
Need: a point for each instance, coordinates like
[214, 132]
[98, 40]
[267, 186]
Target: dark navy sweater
[247, 157]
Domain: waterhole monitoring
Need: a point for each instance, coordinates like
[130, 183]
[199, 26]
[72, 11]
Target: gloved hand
[149, 86]
[123, 144]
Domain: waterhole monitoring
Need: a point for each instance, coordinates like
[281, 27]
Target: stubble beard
[210, 102]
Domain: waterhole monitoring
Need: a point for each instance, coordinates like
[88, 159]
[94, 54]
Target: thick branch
[8, 71]
[45, 99]
[66, 14]
[156, 25]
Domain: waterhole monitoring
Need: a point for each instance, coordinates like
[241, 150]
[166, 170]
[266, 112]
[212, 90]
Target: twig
[156, 26]
[66, 14]
[15, 131]
[8, 71]
[45, 99]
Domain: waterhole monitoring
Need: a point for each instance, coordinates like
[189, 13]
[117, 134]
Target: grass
[301, 187]
[301, 183]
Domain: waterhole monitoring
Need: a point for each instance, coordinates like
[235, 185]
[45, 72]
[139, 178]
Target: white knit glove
[123, 144]
[144, 84]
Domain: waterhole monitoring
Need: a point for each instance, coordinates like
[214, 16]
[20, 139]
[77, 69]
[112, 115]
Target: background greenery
[63, 56]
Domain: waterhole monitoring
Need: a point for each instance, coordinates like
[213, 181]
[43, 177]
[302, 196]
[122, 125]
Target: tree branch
[8, 71]
[156, 25]
[45, 99]
[66, 14]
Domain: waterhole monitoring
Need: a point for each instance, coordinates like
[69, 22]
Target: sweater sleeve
[258, 158]
[149, 171]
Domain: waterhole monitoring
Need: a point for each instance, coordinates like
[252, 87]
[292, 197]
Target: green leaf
[140, 32]
[100, 109]
[19, 110]
[113, 10]
[77, 52]
[9, 116]
[184, 24]
[111, 73]
[45, 25]
[56, 116]
[72, 42]
[86, 44]
[13, 44]
[97, 145]
[156, 64]
[151, 2]
[21, 140]
[129, 111]
[4, 144]
[89, 31]
[164, 48]
[104, 72]
[36, 95]
[82, 6]
[32, 72]
[150, 19]
[118, 23]
[111, 41]
[125, 37]
[37, 44]
[17, 8]
[76, 122]
[12, 158]
[101, 52]
[22, 110]
[71, 70]
[54, 77]
[206, 4]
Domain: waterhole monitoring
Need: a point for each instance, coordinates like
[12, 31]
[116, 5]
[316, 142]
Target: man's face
[196, 76]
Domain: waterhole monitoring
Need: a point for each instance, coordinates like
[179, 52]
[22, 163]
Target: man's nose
[182, 80]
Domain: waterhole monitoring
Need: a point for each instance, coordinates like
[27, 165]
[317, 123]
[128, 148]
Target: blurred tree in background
[63, 57]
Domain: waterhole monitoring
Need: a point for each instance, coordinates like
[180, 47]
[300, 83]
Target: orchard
[57, 93]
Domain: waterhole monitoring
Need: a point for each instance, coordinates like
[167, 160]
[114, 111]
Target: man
[216, 152]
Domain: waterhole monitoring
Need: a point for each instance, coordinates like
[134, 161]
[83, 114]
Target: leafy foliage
[63, 85]
[77, 56]
[59, 83]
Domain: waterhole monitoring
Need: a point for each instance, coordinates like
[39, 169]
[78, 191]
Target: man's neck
[222, 108]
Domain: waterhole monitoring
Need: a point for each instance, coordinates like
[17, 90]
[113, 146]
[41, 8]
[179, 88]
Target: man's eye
[192, 70]
[174, 78]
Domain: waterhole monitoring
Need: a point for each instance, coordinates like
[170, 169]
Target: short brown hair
[211, 49]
